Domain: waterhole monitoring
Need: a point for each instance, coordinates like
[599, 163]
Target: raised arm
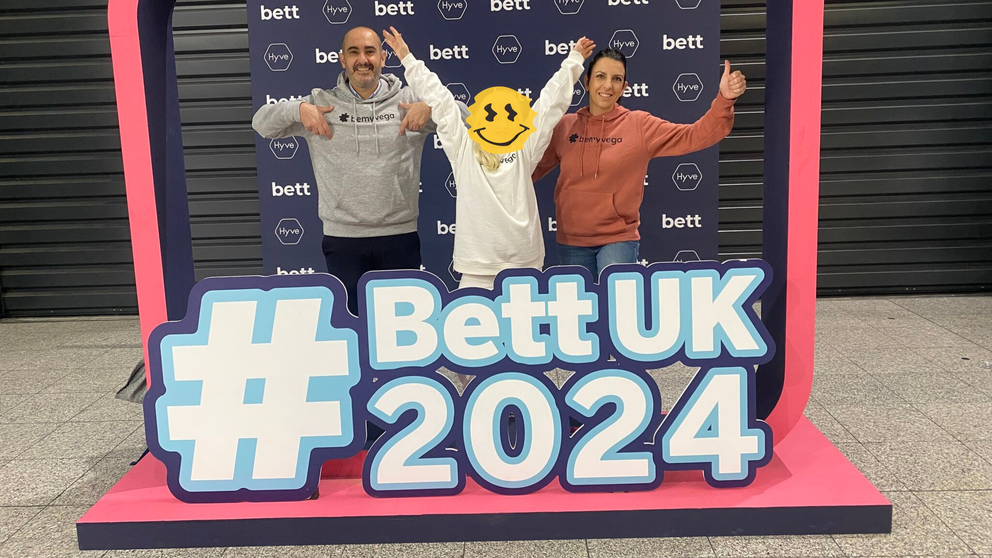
[553, 102]
[665, 139]
[445, 111]
[292, 118]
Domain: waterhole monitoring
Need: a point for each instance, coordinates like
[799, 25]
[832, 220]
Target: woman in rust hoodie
[604, 150]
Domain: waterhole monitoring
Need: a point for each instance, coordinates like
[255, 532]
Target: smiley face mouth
[505, 143]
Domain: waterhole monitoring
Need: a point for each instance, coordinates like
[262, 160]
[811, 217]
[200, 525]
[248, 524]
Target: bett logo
[397, 9]
[452, 10]
[507, 49]
[285, 12]
[508, 5]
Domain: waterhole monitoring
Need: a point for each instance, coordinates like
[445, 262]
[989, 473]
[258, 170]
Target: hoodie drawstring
[599, 147]
[599, 151]
[375, 129]
[354, 110]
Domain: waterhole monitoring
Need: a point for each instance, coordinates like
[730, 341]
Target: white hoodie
[498, 225]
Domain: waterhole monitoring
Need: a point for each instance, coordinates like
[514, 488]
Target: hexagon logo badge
[507, 49]
[278, 57]
[452, 9]
[284, 148]
[625, 41]
[687, 177]
[337, 12]
[578, 93]
[450, 185]
[289, 231]
[392, 61]
[686, 256]
[454, 274]
[688, 4]
[568, 7]
[460, 92]
[687, 87]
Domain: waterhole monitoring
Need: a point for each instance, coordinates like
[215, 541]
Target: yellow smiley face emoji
[500, 120]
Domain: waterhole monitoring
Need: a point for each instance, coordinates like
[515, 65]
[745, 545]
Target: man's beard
[363, 80]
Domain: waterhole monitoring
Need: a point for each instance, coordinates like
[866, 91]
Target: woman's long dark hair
[612, 54]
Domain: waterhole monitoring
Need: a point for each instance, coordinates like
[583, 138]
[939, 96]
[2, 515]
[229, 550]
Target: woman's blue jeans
[595, 258]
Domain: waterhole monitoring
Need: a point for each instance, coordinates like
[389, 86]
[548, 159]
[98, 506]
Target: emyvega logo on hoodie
[345, 117]
[609, 140]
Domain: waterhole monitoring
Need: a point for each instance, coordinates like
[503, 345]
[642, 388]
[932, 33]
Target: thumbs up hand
[732, 85]
[312, 118]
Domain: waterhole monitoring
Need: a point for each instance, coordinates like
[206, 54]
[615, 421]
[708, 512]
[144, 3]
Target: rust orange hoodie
[603, 162]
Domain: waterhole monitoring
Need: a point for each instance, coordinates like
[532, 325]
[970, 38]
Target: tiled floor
[903, 387]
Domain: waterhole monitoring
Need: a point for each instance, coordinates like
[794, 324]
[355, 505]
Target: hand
[584, 47]
[396, 42]
[312, 117]
[417, 115]
[732, 85]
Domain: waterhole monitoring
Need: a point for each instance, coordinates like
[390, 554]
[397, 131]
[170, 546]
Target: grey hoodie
[368, 176]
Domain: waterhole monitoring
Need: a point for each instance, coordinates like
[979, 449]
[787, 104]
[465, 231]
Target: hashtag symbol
[263, 382]
[343, 117]
[572, 138]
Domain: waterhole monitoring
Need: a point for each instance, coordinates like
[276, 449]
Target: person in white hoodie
[496, 207]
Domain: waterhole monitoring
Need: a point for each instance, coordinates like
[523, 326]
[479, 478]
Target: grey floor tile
[957, 359]
[168, 553]
[527, 549]
[94, 483]
[50, 534]
[776, 546]
[916, 531]
[847, 390]
[89, 380]
[946, 305]
[39, 482]
[8, 402]
[13, 518]
[887, 423]
[930, 388]
[982, 447]
[826, 423]
[660, 547]
[63, 360]
[122, 360]
[82, 439]
[969, 514]
[359, 550]
[946, 465]
[895, 361]
[28, 382]
[11, 359]
[133, 446]
[860, 339]
[672, 381]
[980, 380]
[110, 408]
[284, 552]
[16, 438]
[828, 360]
[50, 407]
[425, 550]
[966, 421]
[927, 334]
[869, 465]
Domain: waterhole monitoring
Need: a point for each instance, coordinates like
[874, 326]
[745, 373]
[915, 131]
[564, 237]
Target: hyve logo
[687, 87]
[568, 7]
[399, 8]
[289, 232]
[278, 57]
[625, 41]
[508, 5]
[690, 42]
[507, 49]
[636, 90]
[301, 271]
[337, 12]
[284, 148]
[285, 12]
[687, 177]
[689, 221]
[578, 93]
[291, 189]
[392, 61]
[452, 9]
[459, 92]
[684, 256]
[443, 228]
[688, 4]
[550, 49]
[454, 274]
[457, 52]
[269, 100]
[450, 185]
[331, 56]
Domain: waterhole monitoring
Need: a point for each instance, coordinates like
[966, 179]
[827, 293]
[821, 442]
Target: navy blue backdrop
[673, 72]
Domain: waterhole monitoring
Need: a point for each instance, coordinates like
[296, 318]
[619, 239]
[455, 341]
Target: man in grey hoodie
[366, 137]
